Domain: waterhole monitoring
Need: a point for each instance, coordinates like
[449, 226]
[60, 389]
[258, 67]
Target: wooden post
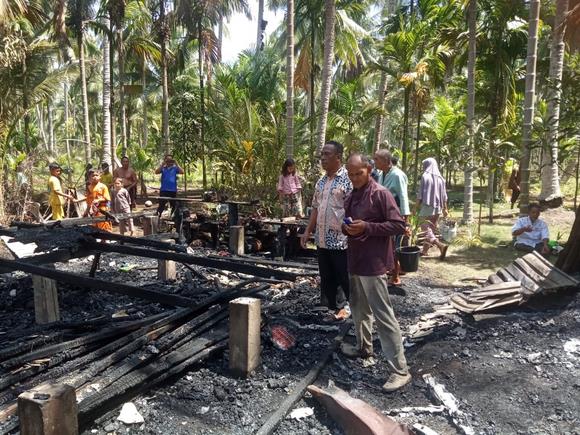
[150, 225]
[237, 240]
[46, 309]
[166, 268]
[48, 410]
[244, 342]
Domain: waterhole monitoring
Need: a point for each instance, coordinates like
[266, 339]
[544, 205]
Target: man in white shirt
[531, 232]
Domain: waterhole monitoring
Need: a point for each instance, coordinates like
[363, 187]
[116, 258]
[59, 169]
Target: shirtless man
[129, 177]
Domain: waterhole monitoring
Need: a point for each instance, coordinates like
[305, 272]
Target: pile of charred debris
[139, 329]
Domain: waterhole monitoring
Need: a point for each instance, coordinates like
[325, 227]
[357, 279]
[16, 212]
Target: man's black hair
[338, 147]
[394, 160]
[534, 205]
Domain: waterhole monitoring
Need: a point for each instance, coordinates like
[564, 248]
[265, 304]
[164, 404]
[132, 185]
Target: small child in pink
[289, 188]
[122, 204]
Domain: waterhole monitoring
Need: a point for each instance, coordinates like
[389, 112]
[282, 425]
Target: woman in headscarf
[431, 202]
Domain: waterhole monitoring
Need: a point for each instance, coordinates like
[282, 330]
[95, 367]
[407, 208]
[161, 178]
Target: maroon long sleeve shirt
[371, 253]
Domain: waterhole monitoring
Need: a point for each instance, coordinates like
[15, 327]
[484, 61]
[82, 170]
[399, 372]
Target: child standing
[98, 199]
[56, 196]
[122, 204]
[289, 188]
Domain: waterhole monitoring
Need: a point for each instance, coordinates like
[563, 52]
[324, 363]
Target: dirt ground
[513, 372]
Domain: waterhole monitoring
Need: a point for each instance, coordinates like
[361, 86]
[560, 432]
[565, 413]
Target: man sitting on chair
[531, 232]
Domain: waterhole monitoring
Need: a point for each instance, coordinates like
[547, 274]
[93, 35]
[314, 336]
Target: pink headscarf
[432, 189]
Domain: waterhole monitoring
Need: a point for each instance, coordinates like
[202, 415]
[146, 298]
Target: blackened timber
[253, 260]
[107, 397]
[191, 259]
[86, 283]
[138, 241]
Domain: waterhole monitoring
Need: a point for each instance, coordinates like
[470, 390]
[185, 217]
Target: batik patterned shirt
[329, 195]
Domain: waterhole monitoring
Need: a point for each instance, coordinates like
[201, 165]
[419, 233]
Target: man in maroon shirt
[375, 219]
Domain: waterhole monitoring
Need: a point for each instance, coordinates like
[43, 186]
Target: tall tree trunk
[550, 193]
[529, 104]
[144, 98]
[468, 169]
[329, 20]
[201, 103]
[107, 155]
[260, 30]
[66, 122]
[405, 149]
[165, 106]
[122, 106]
[312, 90]
[220, 37]
[42, 127]
[112, 104]
[418, 139]
[86, 122]
[50, 117]
[379, 121]
[289, 78]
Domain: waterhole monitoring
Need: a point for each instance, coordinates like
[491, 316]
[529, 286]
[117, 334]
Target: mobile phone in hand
[347, 221]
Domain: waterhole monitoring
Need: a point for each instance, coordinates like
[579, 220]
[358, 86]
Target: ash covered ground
[514, 372]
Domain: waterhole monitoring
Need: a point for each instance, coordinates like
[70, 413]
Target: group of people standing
[106, 191]
[357, 222]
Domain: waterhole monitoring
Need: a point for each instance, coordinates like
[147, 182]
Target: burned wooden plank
[263, 262]
[497, 303]
[139, 241]
[192, 259]
[87, 283]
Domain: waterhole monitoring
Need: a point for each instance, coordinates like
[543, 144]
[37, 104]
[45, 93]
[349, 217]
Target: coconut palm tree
[290, 79]
[106, 132]
[329, 36]
[80, 13]
[529, 104]
[550, 193]
[468, 169]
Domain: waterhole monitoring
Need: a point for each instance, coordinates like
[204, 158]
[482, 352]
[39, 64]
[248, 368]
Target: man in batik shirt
[326, 220]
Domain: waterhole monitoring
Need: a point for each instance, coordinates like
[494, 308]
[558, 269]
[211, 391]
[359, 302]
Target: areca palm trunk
[106, 99]
[86, 122]
[529, 104]
[165, 101]
[122, 106]
[329, 36]
[405, 149]
[550, 178]
[379, 121]
[201, 102]
[290, 79]
[468, 168]
[260, 30]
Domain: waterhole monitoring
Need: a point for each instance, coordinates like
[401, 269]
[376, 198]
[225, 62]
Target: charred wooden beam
[253, 260]
[140, 241]
[192, 259]
[87, 283]
[71, 222]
